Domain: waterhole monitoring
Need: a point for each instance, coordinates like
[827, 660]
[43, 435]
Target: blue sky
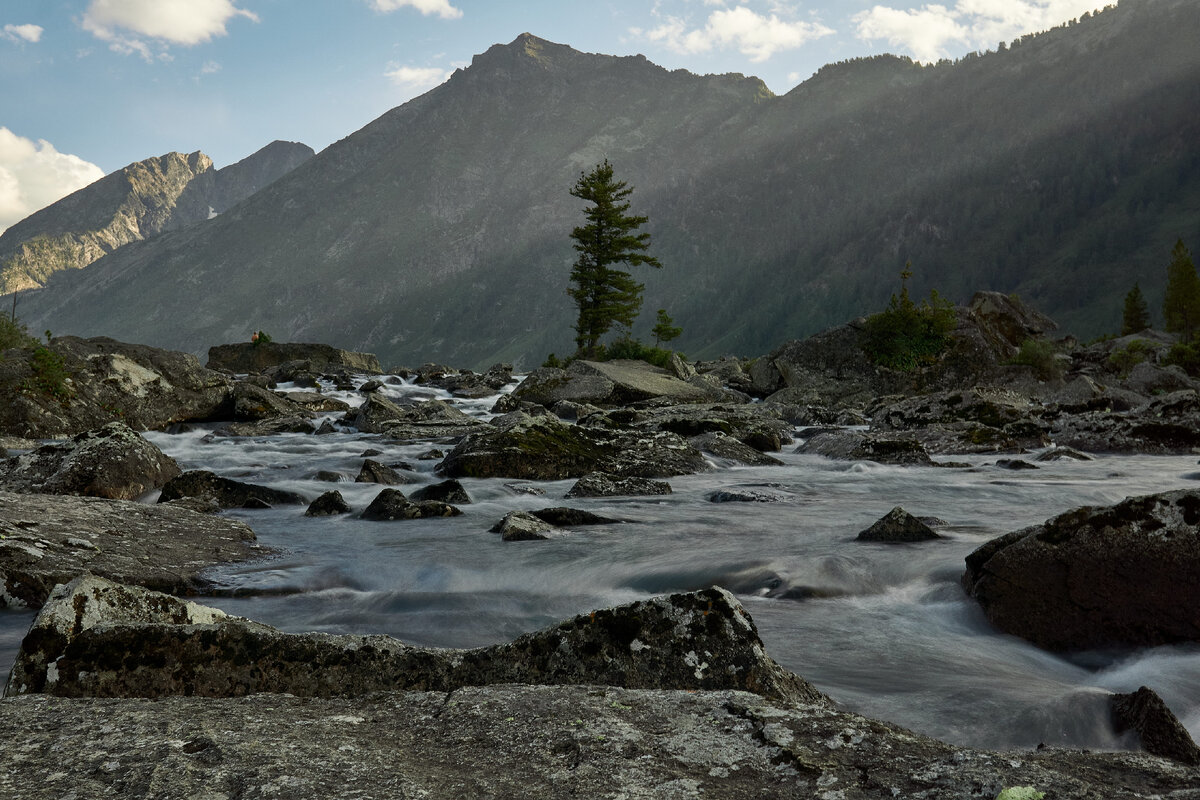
[88, 86]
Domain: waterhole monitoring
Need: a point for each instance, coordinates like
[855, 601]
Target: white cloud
[23, 33]
[33, 175]
[928, 32]
[442, 8]
[416, 79]
[123, 23]
[210, 68]
[753, 34]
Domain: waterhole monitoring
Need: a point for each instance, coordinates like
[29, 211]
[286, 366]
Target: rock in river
[227, 493]
[1126, 575]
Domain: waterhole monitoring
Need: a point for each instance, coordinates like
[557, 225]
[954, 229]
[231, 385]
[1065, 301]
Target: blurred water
[885, 629]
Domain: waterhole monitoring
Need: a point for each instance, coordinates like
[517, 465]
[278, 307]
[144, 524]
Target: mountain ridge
[1053, 168]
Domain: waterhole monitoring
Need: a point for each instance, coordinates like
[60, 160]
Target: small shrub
[13, 334]
[49, 376]
[260, 338]
[1186, 356]
[633, 349]
[905, 335]
[1124, 359]
[1042, 356]
[553, 362]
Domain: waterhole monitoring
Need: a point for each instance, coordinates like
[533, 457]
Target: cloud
[123, 23]
[753, 34]
[416, 79]
[33, 175]
[23, 33]
[440, 7]
[928, 32]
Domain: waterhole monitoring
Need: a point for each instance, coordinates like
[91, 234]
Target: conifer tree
[1181, 301]
[606, 295]
[1136, 317]
[665, 328]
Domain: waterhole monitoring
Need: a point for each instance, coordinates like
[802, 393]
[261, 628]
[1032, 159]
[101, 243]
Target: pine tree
[665, 329]
[1136, 317]
[1181, 302]
[606, 295]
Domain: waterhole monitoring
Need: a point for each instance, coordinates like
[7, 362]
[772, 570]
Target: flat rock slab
[49, 539]
[521, 741]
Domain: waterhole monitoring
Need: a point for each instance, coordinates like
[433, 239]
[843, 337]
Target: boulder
[245, 357]
[1126, 575]
[1015, 464]
[544, 448]
[607, 383]
[391, 504]
[450, 491]
[97, 638]
[521, 526]
[603, 484]
[744, 495]
[724, 446]
[113, 462]
[845, 445]
[1165, 425]
[374, 472]
[561, 517]
[424, 420]
[226, 492]
[1159, 731]
[532, 742]
[898, 526]
[253, 403]
[328, 504]
[49, 539]
[144, 387]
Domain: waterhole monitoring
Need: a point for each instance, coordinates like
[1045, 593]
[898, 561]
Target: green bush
[13, 334]
[49, 376]
[1186, 356]
[906, 335]
[1042, 356]
[633, 349]
[1124, 359]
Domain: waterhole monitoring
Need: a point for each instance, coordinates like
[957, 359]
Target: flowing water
[886, 630]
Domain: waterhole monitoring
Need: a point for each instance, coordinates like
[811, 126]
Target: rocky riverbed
[685, 485]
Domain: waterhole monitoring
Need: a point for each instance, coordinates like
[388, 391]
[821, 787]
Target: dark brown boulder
[226, 492]
[374, 472]
[1159, 730]
[391, 504]
[450, 491]
[1126, 575]
[328, 505]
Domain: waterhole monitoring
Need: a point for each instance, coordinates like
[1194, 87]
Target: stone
[534, 742]
[603, 484]
[50, 539]
[898, 526]
[449, 491]
[544, 448]
[741, 495]
[391, 504]
[1015, 464]
[226, 492]
[1126, 575]
[98, 638]
[724, 446]
[423, 420]
[328, 504]
[113, 462]
[374, 472]
[144, 387]
[1062, 454]
[245, 357]
[1159, 730]
[521, 526]
[253, 403]
[561, 517]
[845, 445]
[606, 383]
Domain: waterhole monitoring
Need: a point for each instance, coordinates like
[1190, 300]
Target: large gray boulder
[50, 539]
[534, 742]
[843, 445]
[431, 419]
[100, 639]
[545, 448]
[113, 462]
[144, 387]
[1126, 575]
[609, 383]
[226, 492]
[247, 357]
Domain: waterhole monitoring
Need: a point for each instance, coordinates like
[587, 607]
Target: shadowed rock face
[96, 638]
[254, 357]
[1126, 575]
[1160, 731]
[227, 493]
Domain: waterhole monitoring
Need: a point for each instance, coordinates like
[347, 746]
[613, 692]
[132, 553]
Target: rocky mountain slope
[138, 202]
[1062, 168]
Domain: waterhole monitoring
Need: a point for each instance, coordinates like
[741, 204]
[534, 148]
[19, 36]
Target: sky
[89, 86]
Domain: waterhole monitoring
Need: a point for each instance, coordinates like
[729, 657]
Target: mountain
[138, 202]
[1063, 168]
